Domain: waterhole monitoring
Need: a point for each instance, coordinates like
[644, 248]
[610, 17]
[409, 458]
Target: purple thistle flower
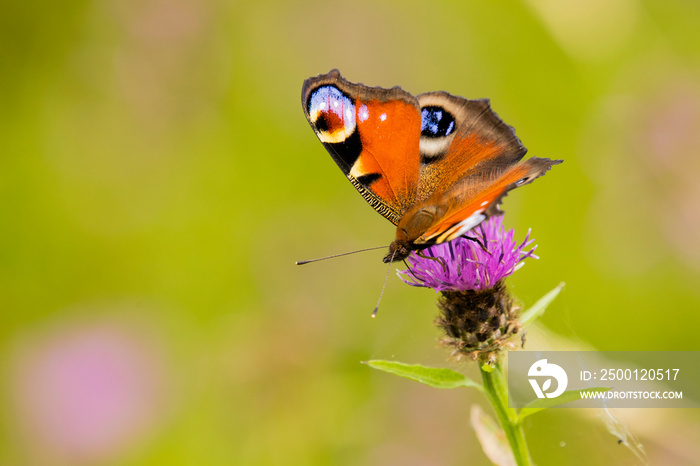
[462, 264]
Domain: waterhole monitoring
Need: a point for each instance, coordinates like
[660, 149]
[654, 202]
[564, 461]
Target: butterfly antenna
[386, 278]
[338, 255]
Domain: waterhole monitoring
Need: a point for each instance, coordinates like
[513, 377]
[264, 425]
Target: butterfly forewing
[373, 136]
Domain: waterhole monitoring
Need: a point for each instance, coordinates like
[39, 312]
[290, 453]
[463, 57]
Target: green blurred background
[158, 180]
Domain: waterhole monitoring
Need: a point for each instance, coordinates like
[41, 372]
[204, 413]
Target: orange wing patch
[390, 133]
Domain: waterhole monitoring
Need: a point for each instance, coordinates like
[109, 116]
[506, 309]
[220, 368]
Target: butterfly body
[435, 165]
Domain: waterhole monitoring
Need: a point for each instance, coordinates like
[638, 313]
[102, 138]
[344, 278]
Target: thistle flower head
[462, 264]
[477, 315]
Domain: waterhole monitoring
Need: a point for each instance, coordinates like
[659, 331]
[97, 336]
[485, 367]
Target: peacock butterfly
[435, 165]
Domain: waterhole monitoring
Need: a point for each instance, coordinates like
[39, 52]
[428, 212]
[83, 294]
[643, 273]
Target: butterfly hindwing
[460, 138]
[373, 136]
[469, 161]
[469, 201]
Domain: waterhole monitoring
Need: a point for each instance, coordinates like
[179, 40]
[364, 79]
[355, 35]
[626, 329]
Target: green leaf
[540, 306]
[566, 397]
[433, 376]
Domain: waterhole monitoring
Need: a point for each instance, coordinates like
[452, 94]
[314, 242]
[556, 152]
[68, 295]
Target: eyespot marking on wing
[437, 130]
[332, 113]
[436, 122]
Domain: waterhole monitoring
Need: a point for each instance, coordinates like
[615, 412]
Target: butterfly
[435, 165]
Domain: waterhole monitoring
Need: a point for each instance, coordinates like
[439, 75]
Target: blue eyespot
[333, 113]
[436, 122]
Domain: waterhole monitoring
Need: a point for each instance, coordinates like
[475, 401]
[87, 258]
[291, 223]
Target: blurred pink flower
[88, 392]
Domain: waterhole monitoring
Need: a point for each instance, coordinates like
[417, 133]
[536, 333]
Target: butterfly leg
[478, 241]
[411, 270]
[438, 259]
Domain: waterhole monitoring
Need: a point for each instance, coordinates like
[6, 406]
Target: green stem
[496, 391]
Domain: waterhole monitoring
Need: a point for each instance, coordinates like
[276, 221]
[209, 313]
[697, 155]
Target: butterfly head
[401, 247]
[398, 251]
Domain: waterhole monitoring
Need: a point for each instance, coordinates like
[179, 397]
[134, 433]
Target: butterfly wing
[469, 160]
[472, 200]
[373, 136]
